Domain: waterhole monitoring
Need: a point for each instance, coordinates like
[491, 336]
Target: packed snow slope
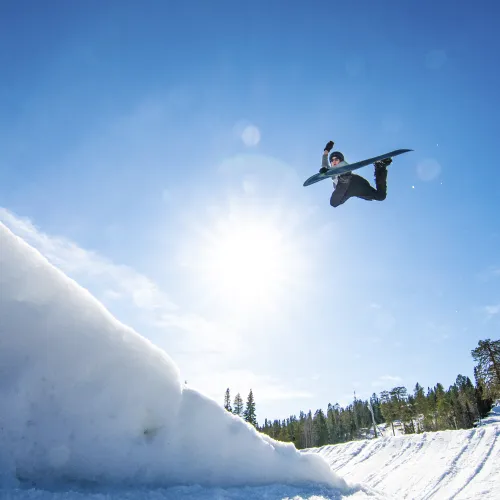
[90, 409]
[86, 400]
[463, 464]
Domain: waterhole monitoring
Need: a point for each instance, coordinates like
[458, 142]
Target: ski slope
[448, 464]
[90, 409]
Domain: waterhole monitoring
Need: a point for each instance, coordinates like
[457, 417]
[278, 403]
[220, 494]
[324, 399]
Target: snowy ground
[89, 409]
[85, 401]
[442, 465]
[447, 464]
[493, 417]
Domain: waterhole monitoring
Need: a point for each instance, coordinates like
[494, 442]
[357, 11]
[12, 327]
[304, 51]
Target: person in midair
[348, 184]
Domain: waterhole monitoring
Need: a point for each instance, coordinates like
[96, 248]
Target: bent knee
[336, 203]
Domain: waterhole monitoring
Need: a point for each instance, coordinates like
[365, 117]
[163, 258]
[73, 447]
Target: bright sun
[247, 262]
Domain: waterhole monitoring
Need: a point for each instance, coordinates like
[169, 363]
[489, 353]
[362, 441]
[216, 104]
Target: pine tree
[238, 405]
[284, 433]
[266, 427]
[402, 409]
[333, 423]
[389, 412]
[456, 408]
[308, 431]
[347, 424]
[294, 431]
[487, 357]
[467, 398]
[320, 429]
[301, 429]
[411, 415]
[443, 408]
[483, 402]
[431, 418]
[276, 429]
[421, 407]
[375, 402]
[227, 401]
[249, 413]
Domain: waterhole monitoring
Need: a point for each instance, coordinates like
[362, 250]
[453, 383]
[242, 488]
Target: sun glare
[247, 263]
[251, 252]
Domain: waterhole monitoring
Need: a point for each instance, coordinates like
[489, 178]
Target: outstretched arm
[324, 160]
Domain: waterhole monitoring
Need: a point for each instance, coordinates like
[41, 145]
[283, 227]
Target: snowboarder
[349, 184]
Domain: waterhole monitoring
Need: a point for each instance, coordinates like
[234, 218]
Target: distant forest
[419, 410]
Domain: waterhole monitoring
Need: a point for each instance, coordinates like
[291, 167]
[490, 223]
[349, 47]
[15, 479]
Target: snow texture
[85, 400]
[447, 464]
[91, 410]
[493, 417]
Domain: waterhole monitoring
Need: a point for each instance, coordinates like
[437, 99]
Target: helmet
[336, 154]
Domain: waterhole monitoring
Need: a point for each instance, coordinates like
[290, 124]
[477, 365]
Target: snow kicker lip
[349, 167]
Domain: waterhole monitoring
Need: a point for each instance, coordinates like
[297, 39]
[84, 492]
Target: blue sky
[156, 153]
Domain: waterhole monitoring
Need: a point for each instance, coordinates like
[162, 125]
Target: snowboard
[344, 167]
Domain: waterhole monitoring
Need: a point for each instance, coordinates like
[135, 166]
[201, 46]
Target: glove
[323, 170]
[329, 146]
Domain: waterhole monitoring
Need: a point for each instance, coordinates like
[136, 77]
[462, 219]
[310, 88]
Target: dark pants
[350, 185]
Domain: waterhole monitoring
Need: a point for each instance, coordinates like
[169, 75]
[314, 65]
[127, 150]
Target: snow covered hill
[442, 465]
[85, 399]
[89, 409]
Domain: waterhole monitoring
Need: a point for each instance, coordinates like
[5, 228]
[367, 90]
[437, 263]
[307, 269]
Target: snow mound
[85, 399]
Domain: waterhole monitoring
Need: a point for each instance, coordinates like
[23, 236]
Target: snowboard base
[344, 167]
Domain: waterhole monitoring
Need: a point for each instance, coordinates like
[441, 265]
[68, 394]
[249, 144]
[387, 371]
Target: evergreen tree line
[417, 411]
[247, 412]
